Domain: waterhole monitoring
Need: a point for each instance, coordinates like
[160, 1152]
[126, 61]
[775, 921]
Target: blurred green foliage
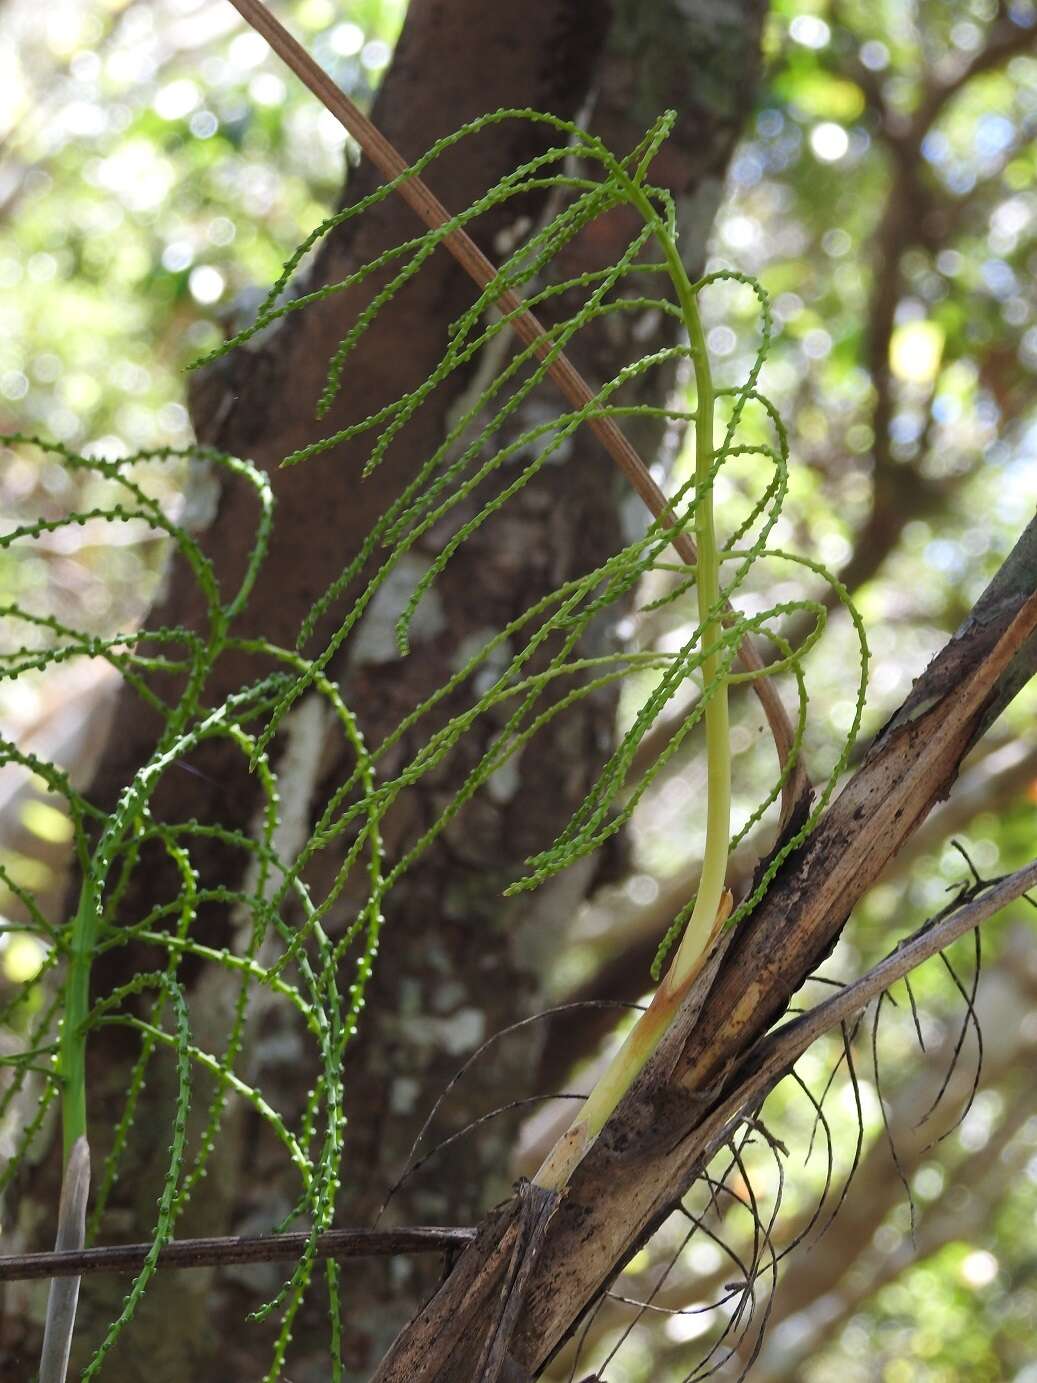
[158, 167]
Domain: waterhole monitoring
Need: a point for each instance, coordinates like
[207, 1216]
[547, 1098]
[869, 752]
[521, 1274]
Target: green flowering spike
[520, 679]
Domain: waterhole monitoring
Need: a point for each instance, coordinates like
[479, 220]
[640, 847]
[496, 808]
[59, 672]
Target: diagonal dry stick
[389, 162]
[779, 1049]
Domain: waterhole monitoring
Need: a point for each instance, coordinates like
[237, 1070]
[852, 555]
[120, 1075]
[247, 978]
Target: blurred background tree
[158, 165]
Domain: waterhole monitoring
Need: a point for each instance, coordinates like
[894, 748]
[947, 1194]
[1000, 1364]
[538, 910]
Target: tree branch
[780, 1049]
[1005, 40]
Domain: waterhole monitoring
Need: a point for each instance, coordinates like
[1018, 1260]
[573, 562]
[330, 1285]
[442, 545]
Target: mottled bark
[456, 963]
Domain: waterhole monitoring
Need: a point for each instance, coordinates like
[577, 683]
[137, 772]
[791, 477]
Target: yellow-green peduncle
[712, 903]
[718, 751]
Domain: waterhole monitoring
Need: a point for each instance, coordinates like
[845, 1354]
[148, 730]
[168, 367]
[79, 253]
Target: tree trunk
[456, 963]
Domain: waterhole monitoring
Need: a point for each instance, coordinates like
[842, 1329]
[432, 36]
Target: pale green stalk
[712, 903]
[72, 1051]
[718, 750]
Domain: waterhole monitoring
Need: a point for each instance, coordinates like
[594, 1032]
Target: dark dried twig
[268, 1248]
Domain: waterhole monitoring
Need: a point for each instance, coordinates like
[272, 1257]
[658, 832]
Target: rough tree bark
[455, 964]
